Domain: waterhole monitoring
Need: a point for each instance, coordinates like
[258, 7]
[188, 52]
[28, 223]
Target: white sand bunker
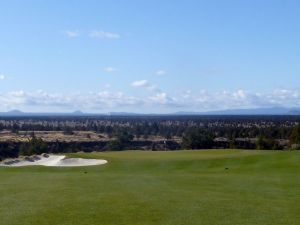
[52, 160]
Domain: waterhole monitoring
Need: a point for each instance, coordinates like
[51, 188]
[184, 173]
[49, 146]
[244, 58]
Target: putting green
[214, 187]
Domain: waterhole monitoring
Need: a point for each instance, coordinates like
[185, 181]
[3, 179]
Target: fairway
[211, 187]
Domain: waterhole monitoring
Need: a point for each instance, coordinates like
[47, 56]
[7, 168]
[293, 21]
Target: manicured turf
[167, 188]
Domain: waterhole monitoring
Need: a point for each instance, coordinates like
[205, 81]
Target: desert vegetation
[35, 135]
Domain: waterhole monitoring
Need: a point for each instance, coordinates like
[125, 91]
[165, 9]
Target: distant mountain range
[123, 114]
[20, 113]
[257, 111]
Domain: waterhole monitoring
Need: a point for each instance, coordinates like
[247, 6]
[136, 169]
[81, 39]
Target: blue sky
[148, 56]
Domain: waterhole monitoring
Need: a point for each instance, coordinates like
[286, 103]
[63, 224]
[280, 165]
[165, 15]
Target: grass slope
[168, 188]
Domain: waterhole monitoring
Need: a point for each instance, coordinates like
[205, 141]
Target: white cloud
[72, 33]
[140, 83]
[157, 101]
[154, 88]
[187, 93]
[161, 72]
[160, 98]
[240, 94]
[145, 84]
[104, 34]
[40, 100]
[2, 77]
[110, 69]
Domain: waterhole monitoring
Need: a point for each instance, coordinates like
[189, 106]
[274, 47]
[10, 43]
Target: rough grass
[167, 188]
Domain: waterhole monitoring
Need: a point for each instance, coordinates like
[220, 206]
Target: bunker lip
[53, 161]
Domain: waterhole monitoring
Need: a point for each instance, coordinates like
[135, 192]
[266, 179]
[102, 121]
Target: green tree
[264, 143]
[295, 136]
[197, 139]
[123, 139]
[115, 145]
[33, 146]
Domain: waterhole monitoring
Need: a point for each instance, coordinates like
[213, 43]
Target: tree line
[231, 127]
[193, 138]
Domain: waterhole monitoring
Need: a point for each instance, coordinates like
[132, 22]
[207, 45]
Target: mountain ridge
[250, 111]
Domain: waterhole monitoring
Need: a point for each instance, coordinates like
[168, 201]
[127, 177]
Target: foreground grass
[213, 187]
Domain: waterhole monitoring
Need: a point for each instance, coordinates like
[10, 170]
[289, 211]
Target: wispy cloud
[72, 33]
[93, 34]
[104, 34]
[161, 72]
[2, 77]
[110, 69]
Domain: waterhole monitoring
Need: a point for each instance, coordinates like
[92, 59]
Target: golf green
[211, 187]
